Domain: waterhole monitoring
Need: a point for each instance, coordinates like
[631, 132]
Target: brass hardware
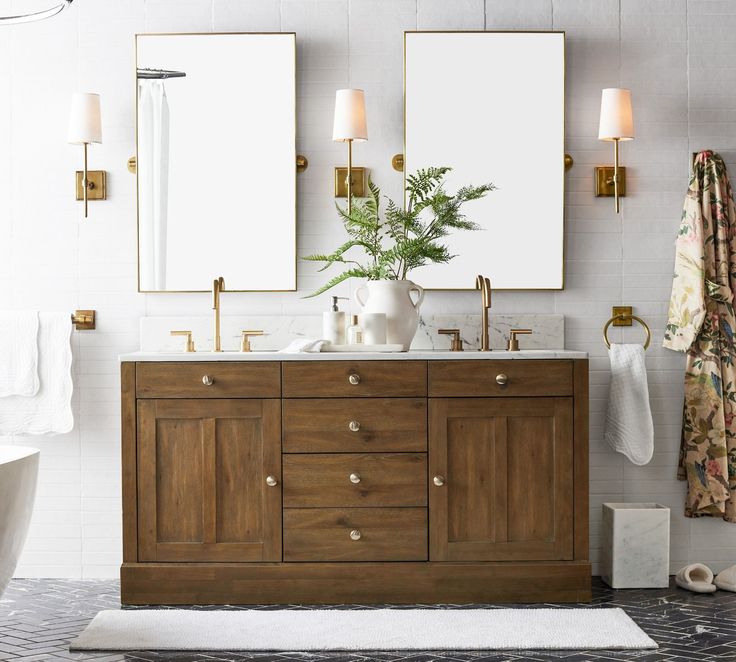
[397, 162]
[189, 342]
[133, 165]
[625, 319]
[569, 162]
[439, 481]
[513, 341]
[272, 481]
[604, 185]
[484, 285]
[456, 343]
[355, 535]
[354, 379]
[354, 426]
[502, 379]
[84, 320]
[218, 285]
[621, 315]
[96, 185]
[354, 478]
[302, 163]
[207, 380]
[245, 337]
[341, 183]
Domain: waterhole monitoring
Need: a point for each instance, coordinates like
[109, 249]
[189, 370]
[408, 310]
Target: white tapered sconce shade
[617, 116]
[616, 124]
[85, 119]
[85, 127]
[349, 124]
[350, 118]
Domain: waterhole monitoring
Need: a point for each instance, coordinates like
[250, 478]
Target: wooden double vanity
[416, 478]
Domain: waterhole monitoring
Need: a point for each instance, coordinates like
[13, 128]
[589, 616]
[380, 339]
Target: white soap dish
[362, 348]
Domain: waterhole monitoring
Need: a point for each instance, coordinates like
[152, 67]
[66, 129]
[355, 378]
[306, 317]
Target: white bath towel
[50, 410]
[18, 352]
[629, 427]
[303, 345]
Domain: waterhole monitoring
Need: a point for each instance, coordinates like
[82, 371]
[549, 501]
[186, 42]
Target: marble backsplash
[548, 331]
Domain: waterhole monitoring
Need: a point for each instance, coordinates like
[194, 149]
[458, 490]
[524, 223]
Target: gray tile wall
[678, 57]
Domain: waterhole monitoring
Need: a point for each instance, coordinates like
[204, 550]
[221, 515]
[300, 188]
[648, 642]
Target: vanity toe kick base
[370, 481]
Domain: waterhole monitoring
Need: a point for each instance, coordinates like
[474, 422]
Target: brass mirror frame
[563, 155]
[137, 192]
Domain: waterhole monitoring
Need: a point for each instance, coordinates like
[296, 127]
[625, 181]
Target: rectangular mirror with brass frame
[216, 161]
[491, 105]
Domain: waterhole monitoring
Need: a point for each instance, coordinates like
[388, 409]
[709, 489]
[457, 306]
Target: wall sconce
[616, 124]
[350, 125]
[85, 127]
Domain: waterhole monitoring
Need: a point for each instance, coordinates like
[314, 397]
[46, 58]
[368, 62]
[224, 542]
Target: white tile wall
[678, 56]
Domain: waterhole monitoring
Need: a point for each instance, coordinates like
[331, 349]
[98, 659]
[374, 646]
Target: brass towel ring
[624, 317]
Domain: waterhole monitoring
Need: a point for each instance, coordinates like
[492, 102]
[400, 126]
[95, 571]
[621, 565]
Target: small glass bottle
[354, 332]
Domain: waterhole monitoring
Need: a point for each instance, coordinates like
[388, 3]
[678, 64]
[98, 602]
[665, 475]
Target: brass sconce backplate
[341, 182]
[604, 181]
[97, 187]
[397, 162]
[84, 320]
[626, 311]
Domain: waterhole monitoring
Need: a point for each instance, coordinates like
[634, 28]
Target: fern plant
[404, 239]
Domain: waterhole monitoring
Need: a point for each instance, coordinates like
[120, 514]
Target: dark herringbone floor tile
[38, 618]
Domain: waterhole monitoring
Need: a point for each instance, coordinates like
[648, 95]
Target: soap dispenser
[333, 323]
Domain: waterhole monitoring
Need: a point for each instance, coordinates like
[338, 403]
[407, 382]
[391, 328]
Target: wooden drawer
[229, 380]
[481, 378]
[324, 480]
[383, 534]
[332, 379]
[335, 425]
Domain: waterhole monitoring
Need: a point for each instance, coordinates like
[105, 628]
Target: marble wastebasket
[635, 545]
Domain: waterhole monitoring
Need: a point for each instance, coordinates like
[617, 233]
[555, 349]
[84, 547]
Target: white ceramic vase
[393, 297]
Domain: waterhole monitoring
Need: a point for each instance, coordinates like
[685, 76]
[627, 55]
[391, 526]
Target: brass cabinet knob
[207, 380]
[501, 379]
[354, 379]
[354, 426]
[355, 534]
[355, 478]
[439, 481]
[272, 481]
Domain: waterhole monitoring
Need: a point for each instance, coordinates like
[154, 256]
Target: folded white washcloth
[303, 345]
[18, 352]
[50, 410]
[629, 427]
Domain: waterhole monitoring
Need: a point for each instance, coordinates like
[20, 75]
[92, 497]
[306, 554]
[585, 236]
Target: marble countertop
[416, 355]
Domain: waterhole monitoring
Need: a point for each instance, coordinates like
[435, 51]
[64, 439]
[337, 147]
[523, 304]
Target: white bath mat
[363, 629]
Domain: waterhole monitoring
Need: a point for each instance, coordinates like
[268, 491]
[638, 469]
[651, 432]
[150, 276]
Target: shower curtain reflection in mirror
[153, 182]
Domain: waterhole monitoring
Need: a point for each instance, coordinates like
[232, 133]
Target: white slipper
[696, 577]
[726, 580]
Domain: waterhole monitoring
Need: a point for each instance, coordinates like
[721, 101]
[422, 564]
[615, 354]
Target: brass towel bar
[627, 317]
[84, 320]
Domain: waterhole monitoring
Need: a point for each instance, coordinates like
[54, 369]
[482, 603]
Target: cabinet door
[508, 479]
[202, 469]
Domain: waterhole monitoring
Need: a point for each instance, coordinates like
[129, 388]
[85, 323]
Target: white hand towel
[303, 345]
[629, 427]
[50, 410]
[18, 353]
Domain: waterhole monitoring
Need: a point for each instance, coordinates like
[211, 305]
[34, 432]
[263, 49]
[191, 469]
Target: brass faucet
[484, 285]
[218, 286]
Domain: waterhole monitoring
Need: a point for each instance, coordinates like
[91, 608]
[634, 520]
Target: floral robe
[701, 323]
